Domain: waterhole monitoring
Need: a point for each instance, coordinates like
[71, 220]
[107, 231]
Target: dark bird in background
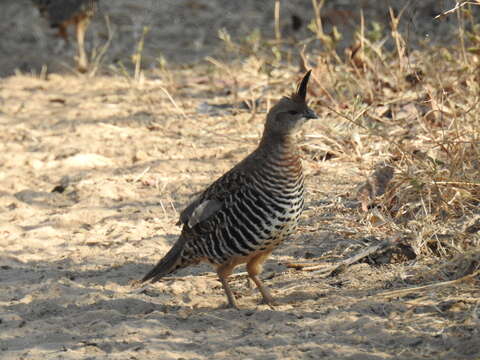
[245, 214]
[297, 22]
[62, 13]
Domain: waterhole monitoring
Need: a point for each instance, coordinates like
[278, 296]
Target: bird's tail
[171, 262]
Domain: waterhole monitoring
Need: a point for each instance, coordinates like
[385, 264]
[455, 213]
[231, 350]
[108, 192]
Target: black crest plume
[301, 93]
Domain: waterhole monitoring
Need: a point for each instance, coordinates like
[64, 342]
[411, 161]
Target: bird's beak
[310, 114]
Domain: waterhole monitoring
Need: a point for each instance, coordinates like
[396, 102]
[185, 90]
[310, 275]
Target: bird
[62, 13]
[247, 212]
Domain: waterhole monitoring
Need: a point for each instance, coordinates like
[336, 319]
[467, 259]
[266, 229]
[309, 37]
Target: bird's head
[290, 113]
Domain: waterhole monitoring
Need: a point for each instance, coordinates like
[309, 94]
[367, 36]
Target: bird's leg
[224, 272]
[267, 297]
[62, 32]
[232, 303]
[81, 27]
[254, 267]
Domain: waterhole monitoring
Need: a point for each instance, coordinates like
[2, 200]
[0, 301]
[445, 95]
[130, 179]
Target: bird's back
[60, 11]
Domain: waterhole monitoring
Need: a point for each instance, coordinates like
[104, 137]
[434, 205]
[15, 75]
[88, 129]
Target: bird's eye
[293, 112]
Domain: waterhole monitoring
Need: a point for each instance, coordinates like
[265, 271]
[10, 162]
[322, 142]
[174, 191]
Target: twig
[455, 183]
[138, 54]
[457, 6]
[101, 54]
[401, 292]
[278, 34]
[335, 269]
[173, 102]
[317, 6]
[141, 174]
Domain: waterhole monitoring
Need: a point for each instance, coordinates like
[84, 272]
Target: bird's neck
[280, 146]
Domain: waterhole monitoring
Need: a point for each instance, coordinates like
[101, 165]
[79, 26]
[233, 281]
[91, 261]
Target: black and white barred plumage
[262, 208]
[252, 208]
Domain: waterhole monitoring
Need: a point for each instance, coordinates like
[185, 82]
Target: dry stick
[44, 72]
[138, 177]
[456, 183]
[362, 40]
[318, 20]
[103, 50]
[461, 34]
[342, 265]
[400, 46]
[174, 103]
[402, 292]
[138, 54]
[457, 6]
[278, 34]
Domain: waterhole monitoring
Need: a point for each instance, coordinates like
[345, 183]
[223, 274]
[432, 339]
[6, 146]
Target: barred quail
[62, 13]
[245, 214]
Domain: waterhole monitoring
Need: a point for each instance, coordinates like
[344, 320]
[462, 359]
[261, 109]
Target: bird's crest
[301, 93]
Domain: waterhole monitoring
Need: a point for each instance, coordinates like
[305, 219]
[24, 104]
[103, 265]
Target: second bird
[245, 214]
[62, 13]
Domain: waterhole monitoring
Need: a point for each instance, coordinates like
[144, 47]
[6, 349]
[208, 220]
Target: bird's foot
[230, 306]
[82, 64]
[268, 300]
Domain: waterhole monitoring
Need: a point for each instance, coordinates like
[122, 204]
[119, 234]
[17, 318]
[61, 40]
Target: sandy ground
[93, 173]
[68, 259]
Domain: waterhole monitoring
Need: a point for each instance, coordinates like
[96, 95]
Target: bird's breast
[280, 182]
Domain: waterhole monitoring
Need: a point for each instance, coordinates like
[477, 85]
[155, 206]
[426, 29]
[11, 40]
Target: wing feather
[213, 198]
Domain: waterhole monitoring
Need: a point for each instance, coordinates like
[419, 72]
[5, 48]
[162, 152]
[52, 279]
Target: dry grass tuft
[417, 112]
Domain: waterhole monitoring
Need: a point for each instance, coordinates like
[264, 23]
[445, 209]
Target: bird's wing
[61, 11]
[213, 198]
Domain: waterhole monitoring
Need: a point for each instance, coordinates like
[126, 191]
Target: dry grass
[417, 111]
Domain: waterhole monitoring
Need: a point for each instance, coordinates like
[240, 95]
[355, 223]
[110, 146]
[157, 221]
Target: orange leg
[254, 267]
[81, 27]
[62, 32]
[224, 271]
